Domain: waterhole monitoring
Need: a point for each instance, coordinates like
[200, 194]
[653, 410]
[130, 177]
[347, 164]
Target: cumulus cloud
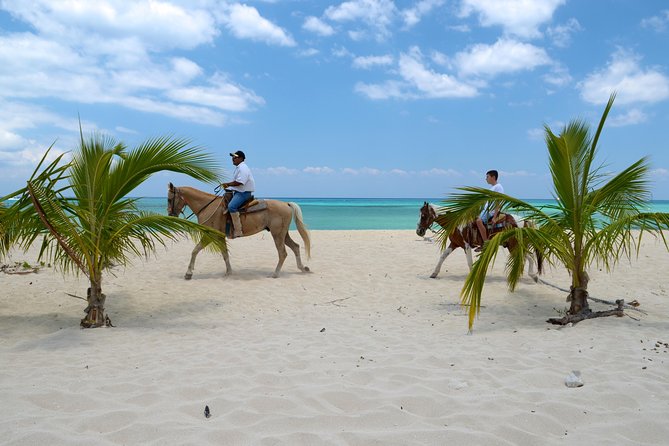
[504, 56]
[561, 34]
[558, 76]
[115, 52]
[430, 83]
[518, 17]
[417, 81]
[385, 90]
[316, 25]
[377, 15]
[413, 15]
[367, 62]
[441, 172]
[658, 23]
[278, 171]
[624, 75]
[245, 22]
[318, 170]
[632, 117]
[149, 21]
[219, 93]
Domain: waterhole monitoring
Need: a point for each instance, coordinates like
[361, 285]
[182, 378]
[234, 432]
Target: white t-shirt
[497, 188]
[243, 175]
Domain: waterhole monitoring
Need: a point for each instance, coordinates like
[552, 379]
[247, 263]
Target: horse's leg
[468, 253]
[442, 257]
[529, 258]
[191, 265]
[296, 249]
[228, 267]
[279, 242]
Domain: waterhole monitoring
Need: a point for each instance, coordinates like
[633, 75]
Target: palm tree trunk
[95, 311]
[579, 294]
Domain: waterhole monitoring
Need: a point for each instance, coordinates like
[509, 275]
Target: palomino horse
[210, 211]
[468, 236]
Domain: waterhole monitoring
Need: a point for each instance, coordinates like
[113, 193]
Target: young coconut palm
[598, 219]
[87, 221]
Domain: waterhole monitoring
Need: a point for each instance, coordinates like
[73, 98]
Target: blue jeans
[486, 215]
[238, 199]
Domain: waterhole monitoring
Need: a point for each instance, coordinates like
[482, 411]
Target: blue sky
[362, 98]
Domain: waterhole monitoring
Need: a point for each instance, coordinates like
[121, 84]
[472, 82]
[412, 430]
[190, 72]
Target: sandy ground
[364, 350]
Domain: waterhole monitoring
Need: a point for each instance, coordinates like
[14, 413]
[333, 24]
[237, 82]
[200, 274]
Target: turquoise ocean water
[360, 213]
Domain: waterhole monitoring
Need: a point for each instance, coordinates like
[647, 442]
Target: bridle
[427, 218]
[171, 200]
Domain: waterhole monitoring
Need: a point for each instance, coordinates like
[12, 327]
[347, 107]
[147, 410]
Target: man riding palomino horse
[242, 186]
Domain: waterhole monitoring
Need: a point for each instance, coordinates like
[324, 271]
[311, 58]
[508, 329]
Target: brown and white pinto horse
[210, 211]
[469, 237]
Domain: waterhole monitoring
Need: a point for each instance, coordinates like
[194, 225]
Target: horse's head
[175, 201]
[427, 217]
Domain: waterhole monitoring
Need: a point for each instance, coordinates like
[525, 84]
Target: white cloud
[536, 134]
[386, 90]
[632, 117]
[367, 62]
[632, 83]
[318, 170]
[561, 34]
[658, 23]
[441, 172]
[376, 14]
[149, 21]
[362, 171]
[308, 52]
[517, 173]
[278, 171]
[316, 25]
[412, 16]
[430, 83]
[114, 52]
[245, 22]
[399, 172]
[660, 172]
[504, 56]
[518, 17]
[219, 94]
[558, 76]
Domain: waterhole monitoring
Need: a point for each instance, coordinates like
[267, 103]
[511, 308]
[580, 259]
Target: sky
[361, 98]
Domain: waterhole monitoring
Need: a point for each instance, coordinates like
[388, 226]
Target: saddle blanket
[254, 206]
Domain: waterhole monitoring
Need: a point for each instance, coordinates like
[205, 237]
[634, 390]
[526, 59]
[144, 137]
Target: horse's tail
[301, 227]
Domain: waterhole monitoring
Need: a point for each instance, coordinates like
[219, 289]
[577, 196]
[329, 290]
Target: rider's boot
[236, 224]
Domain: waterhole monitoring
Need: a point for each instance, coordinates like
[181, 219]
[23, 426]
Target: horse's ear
[425, 203]
[170, 186]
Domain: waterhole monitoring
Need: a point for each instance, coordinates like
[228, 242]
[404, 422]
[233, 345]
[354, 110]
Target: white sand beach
[364, 350]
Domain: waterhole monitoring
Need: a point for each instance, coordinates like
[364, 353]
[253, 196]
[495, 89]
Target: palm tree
[82, 210]
[599, 217]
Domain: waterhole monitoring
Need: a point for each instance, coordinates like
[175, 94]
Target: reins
[196, 213]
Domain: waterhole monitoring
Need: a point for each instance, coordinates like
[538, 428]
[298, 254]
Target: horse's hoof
[306, 269]
[188, 276]
[535, 278]
[433, 276]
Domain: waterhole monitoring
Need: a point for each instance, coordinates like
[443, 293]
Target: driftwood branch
[335, 301]
[78, 297]
[594, 299]
[574, 318]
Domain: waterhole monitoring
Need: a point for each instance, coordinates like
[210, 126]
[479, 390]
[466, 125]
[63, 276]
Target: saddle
[499, 224]
[251, 205]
